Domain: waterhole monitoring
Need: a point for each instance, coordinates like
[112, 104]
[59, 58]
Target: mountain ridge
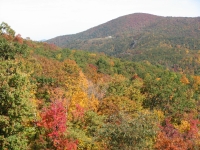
[160, 40]
[123, 23]
[121, 18]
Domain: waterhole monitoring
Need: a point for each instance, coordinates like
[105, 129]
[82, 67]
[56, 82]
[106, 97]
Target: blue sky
[45, 19]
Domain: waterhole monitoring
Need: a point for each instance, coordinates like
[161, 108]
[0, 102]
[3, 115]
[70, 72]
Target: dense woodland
[58, 98]
[173, 42]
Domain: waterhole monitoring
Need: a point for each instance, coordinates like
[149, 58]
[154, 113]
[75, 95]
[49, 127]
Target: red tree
[170, 138]
[53, 119]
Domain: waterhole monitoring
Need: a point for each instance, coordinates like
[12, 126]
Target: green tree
[6, 29]
[9, 50]
[16, 108]
[85, 129]
[104, 66]
[124, 132]
[166, 92]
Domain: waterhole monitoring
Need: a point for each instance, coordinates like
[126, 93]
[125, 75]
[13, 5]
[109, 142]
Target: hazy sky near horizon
[45, 19]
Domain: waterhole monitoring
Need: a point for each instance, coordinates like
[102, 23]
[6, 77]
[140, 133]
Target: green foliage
[167, 41]
[44, 81]
[165, 92]
[9, 50]
[124, 132]
[16, 108]
[5, 29]
[103, 66]
[86, 129]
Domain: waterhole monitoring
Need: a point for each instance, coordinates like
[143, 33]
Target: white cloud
[44, 19]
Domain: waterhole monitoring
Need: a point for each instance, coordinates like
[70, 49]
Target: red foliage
[169, 130]
[166, 143]
[48, 46]
[93, 67]
[193, 132]
[65, 144]
[53, 119]
[7, 37]
[78, 113]
[169, 138]
[19, 39]
[29, 43]
[135, 76]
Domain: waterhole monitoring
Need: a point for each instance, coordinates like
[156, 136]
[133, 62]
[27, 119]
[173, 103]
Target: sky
[45, 19]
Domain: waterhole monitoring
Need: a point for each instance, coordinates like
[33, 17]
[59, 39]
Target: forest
[54, 98]
[172, 42]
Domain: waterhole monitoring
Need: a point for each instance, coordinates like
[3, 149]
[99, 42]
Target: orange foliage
[48, 46]
[18, 39]
[182, 137]
[165, 143]
[184, 79]
[196, 82]
[7, 37]
[113, 104]
[51, 69]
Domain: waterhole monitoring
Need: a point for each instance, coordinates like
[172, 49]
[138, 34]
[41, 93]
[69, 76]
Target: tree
[6, 29]
[9, 50]
[114, 104]
[18, 39]
[104, 66]
[168, 94]
[84, 127]
[16, 108]
[124, 132]
[53, 120]
[184, 136]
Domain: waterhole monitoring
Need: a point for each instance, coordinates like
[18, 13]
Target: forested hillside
[58, 98]
[173, 42]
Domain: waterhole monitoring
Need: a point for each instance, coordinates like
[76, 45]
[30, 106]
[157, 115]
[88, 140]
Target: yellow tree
[184, 79]
[76, 85]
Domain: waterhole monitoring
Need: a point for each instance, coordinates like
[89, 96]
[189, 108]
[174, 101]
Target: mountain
[161, 40]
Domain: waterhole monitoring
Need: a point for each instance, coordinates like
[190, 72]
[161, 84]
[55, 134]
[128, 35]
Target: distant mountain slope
[139, 36]
[122, 25]
[131, 25]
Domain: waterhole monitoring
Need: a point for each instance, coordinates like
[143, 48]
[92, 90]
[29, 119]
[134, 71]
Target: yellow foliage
[93, 103]
[87, 144]
[160, 115]
[114, 104]
[72, 85]
[58, 56]
[157, 79]
[73, 51]
[187, 51]
[92, 55]
[183, 127]
[164, 45]
[118, 78]
[31, 51]
[83, 81]
[196, 80]
[80, 98]
[112, 63]
[184, 80]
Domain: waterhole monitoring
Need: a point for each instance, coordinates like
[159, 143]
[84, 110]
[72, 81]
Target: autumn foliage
[53, 120]
[172, 138]
[55, 98]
